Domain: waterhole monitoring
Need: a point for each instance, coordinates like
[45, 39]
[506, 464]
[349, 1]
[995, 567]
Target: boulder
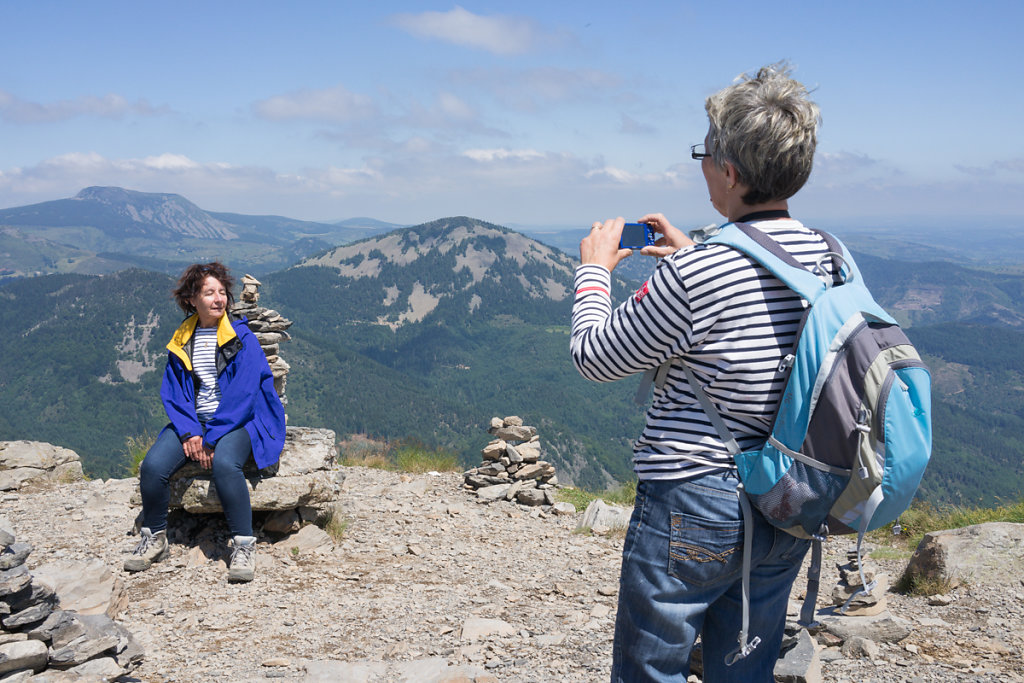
[799, 662]
[84, 587]
[25, 654]
[33, 461]
[531, 497]
[199, 495]
[36, 454]
[306, 476]
[881, 628]
[601, 514]
[991, 553]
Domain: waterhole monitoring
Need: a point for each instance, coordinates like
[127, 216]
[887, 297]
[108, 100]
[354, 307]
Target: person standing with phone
[731, 323]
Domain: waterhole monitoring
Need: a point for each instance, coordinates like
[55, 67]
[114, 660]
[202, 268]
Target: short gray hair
[766, 126]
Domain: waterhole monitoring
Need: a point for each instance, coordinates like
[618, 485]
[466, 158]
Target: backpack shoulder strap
[772, 256]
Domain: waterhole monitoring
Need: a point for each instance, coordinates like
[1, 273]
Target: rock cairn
[305, 483]
[270, 328]
[865, 604]
[300, 488]
[36, 635]
[512, 468]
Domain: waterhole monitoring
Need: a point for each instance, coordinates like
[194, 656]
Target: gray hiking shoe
[151, 548]
[243, 559]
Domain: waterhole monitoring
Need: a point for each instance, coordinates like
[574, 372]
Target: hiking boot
[151, 548]
[243, 559]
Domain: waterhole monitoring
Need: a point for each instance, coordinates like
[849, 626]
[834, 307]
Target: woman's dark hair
[191, 282]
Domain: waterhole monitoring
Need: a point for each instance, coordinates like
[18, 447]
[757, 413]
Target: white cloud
[329, 105]
[631, 126]
[175, 162]
[492, 155]
[502, 35]
[1010, 165]
[455, 107]
[13, 109]
[679, 175]
[533, 89]
[612, 173]
[843, 163]
[416, 181]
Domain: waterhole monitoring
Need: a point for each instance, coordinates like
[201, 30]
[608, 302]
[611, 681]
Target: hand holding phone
[636, 236]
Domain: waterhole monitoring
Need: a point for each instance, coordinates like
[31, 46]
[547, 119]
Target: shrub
[581, 498]
[360, 451]
[921, 518]
[135, 449]
[418, 459]
[402, 456]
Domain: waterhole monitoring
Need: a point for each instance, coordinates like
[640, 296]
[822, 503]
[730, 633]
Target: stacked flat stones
[512, 468]
[864, 605]
[302, 485]
[270, 328]
[35, 635]
[306, 481]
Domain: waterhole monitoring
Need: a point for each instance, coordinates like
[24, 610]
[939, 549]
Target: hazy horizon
[533, 114]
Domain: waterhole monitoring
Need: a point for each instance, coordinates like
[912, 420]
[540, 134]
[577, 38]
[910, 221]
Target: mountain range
[426, 332]
[104, 229]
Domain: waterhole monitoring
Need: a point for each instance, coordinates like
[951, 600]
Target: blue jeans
[681, 576]
[167, 456]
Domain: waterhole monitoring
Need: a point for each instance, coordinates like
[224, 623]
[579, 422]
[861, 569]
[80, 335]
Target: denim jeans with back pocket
[681, 577]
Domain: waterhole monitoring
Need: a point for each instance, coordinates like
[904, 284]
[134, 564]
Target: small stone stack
[270, 328]
[863, 605]
[512, 468]
[35, 635]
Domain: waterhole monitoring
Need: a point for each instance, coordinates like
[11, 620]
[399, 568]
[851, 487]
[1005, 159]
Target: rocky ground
[427, 584]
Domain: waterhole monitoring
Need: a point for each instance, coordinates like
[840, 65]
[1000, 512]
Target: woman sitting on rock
[218, 392]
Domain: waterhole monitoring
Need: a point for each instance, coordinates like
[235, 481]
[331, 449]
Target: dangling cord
[744, 647]
[874, 500]
[813, 582]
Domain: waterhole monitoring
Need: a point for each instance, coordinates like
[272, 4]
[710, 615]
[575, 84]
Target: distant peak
[110, 195]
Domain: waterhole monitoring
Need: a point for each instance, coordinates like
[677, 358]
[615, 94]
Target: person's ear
[731, 176]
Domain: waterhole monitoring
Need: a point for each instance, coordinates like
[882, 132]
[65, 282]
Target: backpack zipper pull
[863, 418]
[862, 426]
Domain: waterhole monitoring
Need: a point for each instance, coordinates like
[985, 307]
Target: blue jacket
[247, 395]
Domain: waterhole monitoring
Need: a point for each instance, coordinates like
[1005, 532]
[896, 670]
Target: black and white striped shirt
[730, 320]
[204, 365]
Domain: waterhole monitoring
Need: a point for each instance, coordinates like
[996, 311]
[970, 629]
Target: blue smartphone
[636, 236]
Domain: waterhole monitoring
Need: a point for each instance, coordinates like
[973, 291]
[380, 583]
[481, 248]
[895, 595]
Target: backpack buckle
[787, 362]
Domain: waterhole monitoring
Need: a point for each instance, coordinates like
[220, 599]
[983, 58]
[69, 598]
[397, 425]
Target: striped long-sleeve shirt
[721, 313]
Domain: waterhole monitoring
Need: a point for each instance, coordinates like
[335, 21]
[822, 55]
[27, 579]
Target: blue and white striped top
[204, 365]
[727, 316]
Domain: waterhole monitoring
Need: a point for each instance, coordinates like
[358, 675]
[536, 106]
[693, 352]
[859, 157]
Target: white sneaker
[243, 559]
[151, 548]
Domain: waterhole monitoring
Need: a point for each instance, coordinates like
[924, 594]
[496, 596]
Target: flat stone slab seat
[306, 476]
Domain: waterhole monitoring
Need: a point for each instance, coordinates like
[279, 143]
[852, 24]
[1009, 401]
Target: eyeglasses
[697, 152]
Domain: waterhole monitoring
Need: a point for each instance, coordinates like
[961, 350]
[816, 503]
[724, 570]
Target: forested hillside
[82, 361]
[978, 406]
[443, 326]
[427, 332]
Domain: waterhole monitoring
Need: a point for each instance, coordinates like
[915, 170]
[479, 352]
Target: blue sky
[526, 113]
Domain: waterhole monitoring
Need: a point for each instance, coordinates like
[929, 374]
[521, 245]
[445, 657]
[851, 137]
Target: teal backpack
[852, 434]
